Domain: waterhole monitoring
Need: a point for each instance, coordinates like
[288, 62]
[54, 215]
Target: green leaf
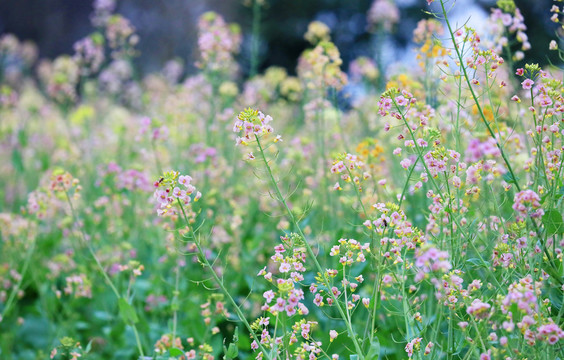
[553, 224]
[477, 262]
[127, 312]
[88, 347]
[374, 350]
[353, 357]
[509, 178]
[233, 350]
[22, 138]
[17, 161]
[175, 352]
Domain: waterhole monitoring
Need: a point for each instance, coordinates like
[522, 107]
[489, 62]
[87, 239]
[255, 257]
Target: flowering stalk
[322, 273]
[218, 281]
[378, 279]
[167, 193]
[475, 97]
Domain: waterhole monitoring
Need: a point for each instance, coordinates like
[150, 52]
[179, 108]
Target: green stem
[255, 39]
[175, 303]
[16, 288]
[103, 272]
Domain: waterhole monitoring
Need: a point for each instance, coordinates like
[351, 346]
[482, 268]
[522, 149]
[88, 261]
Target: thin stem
[16, 288]
[175, 302]
[255, 38]
[103, 271]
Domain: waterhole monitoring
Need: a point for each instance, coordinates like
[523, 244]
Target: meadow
[277, 216]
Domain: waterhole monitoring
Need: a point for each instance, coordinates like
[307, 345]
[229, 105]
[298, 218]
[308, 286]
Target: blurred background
[167, 28]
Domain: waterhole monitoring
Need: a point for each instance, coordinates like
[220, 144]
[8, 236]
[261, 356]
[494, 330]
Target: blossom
[479, 309]
[333, 335]
[527, 84]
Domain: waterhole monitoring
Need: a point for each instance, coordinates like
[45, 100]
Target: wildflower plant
[423, 222]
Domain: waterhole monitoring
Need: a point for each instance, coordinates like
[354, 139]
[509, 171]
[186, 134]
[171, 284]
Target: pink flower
[527, 84]
[333, 335]
[269, 296]
[405, 163]
[184, 180]
[285, 267]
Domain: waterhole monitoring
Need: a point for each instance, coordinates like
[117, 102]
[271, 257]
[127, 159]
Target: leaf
[17, 161]
[353, 357]
[477, 262]
[175, 352]
[233, 350]
[127, 312]
[22, 138]
[374, 350]
[88, 347]
[509, 178]
[553, 224]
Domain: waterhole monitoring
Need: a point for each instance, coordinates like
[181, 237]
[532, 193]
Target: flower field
[409, 211]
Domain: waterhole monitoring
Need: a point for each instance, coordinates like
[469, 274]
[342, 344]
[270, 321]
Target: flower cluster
[432, 259]
[290, 255]
[527, 202]
[89, 54]
[254, 124]
[524, 294]
[426, 34]
[320, 67]
[121, 36]
[218, 42]
[508, 19]
[351, 169]
[479, 309]
[60, 79]
[413, 345]
[173, 187]
[317, 32]
[78, 285]
[383, 14]
[363, 68]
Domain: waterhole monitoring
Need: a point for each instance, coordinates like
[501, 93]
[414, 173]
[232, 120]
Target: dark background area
[167, 28]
